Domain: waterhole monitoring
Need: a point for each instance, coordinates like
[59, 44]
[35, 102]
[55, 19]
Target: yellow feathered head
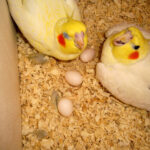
[71, 36]
[129, 45]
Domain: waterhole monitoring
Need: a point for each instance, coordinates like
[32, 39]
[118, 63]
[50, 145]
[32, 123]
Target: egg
[87, 55]
[65, 107]
[73, 77]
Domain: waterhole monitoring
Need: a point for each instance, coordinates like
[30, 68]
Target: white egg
[73, 77]
[65, 107]
[87, 55]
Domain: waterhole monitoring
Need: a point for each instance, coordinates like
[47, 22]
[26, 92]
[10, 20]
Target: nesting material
[98, 121]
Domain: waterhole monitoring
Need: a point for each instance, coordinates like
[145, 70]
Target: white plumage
[129, 83]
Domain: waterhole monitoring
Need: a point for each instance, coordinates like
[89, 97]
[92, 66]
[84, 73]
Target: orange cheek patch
[61, 40]
[134, 55]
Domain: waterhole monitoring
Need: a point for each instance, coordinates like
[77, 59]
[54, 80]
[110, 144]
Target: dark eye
[66, 35]
[136, 47]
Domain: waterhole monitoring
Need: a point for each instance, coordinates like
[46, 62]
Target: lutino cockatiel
[53, 27]
[124, 69]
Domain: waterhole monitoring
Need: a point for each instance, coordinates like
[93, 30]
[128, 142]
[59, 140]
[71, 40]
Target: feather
[37, 21]
[129, 83]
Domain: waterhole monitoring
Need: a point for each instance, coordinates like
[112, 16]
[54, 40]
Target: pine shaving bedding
[99, 121]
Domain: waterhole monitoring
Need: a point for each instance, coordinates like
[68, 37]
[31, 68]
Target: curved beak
[79, 40]
[123, 39]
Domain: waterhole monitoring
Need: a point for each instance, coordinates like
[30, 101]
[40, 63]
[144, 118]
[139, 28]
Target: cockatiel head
[127, 46]
[71, 36]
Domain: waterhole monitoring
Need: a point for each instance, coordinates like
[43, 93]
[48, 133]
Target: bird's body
[129, 82]
[41, 20]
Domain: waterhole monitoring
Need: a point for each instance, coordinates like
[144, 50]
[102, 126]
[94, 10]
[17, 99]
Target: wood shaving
[99, 121]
